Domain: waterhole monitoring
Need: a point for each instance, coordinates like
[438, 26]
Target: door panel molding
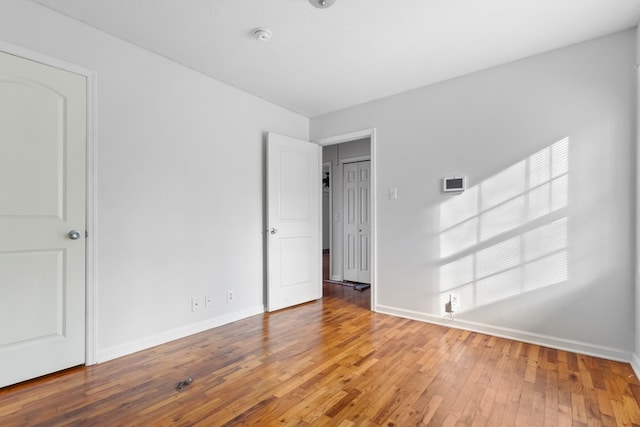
[91, 185]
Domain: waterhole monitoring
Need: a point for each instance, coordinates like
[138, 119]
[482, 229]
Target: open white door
[42, 219]
[293, 222]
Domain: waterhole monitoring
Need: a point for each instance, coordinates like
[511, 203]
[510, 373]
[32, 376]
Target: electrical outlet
[453, 305]
[196, 303]
[229, 296]
[454, 299]
[208, 301]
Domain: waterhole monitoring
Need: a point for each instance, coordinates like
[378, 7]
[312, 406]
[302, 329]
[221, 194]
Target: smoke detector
[262, 34]
[322, 4]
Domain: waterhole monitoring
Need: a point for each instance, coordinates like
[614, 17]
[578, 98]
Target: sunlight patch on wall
[499, 239]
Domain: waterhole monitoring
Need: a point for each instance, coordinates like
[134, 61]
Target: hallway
[345, 292]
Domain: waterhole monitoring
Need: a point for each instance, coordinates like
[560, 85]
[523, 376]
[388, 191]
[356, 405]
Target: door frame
[352, 136]
[92, 181]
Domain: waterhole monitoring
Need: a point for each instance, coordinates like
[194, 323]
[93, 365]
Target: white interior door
[293, 220]
[357, 222]
[42, 198]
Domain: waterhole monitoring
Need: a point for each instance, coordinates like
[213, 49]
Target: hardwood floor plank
[551, 395]
[578, 411]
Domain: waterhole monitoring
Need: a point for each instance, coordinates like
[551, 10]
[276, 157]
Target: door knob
[273, 230]
[74, 234]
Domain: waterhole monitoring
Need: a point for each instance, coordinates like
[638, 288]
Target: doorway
[348, 214]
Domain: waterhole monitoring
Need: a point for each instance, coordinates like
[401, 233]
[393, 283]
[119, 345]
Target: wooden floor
[333, 362]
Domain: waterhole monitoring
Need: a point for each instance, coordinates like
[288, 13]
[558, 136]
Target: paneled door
[42, 219]
[357, 221]
[293, 222]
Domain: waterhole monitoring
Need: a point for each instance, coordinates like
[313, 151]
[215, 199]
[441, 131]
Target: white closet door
[357, 221]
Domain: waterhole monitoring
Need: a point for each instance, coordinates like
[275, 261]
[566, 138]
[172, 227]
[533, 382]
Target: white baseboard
[336, 277]
[635, 364]
[514, 334]
[120, 350]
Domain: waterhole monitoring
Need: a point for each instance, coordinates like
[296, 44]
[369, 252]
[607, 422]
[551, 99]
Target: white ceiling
[322, 60]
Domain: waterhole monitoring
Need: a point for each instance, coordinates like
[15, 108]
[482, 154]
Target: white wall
[180, 183]
[636, 355]
[564, 278]
[335, 154]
